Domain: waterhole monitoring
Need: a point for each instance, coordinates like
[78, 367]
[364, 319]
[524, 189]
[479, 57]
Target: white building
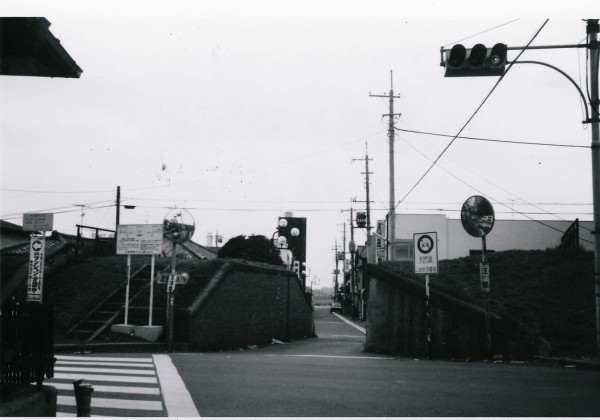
[455, 242]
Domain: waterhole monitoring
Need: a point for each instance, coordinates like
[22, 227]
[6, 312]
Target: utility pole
[336, 272]
[392, 207]
[592, 30]
[352, 249]
[118, 219]
[367, 186]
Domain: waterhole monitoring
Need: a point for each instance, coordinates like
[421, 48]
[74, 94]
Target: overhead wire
[490, 140]
[543, 211]
[472, 116]
[482, 32]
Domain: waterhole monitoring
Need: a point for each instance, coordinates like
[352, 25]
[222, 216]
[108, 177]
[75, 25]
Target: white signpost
[139, 240]
[426, 262]
[36, 222]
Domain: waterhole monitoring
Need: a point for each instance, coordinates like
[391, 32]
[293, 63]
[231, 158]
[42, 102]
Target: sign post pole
[426, 262]
[485, 288]
[127, 289]
[152, 258]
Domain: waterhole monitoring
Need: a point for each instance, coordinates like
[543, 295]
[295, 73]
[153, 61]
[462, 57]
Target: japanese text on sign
[35, 275]
[425, 253]
[139, 239]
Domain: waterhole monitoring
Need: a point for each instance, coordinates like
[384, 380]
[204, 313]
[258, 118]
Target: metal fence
[27, 343]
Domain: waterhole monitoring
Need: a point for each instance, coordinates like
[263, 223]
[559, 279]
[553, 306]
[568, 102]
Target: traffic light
[304, 269]
[294, 230]
[477, 61]
[361, 220]
[297, 267]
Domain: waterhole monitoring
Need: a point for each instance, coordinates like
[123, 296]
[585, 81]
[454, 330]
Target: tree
[256, 248]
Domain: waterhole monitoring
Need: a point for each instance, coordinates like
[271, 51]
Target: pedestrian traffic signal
[297, 267]
[477, 61]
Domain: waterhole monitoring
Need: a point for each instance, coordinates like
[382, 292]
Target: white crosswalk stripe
[122, 386]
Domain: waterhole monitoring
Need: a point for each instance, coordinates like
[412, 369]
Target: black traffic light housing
[477, 61]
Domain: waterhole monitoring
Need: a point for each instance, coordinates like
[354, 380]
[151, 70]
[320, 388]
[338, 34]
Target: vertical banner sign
[36, 268]
[426, 254]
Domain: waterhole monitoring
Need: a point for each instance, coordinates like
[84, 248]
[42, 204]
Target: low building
[455, 242]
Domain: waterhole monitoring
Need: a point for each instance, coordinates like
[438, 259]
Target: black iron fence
[27, 343]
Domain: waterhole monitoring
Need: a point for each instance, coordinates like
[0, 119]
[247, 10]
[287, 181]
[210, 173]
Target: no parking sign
[426, 255]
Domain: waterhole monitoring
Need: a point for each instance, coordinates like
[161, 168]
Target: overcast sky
[242, 110]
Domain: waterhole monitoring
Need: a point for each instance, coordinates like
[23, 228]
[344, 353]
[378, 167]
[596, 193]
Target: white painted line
[346, 335]
[335, 357]
[110, 388]
[113, 403]
[84, 363]
[84, 369]
[352, 324]
[106, 378]
[105, 359]
[175, 395]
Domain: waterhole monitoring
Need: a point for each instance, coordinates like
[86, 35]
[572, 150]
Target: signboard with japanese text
[38, 222]
[139, 239]
[426, 254]
[35, 277]
[484, 276]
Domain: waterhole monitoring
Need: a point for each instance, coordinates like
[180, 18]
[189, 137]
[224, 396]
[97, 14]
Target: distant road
[332, 376]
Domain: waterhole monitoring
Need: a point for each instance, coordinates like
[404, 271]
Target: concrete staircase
[111, 309]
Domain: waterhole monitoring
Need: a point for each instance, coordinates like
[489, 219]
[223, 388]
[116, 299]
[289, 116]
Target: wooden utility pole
[392, 206]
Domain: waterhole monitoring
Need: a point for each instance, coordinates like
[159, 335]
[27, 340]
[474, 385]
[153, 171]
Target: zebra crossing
[123, 386]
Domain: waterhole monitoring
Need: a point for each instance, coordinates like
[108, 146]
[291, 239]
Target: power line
[473, 115]
[490, 140]
[482, 32]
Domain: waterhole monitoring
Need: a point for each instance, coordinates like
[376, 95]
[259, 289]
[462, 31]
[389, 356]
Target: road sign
[38, 222]
[426, 255]
[484, 276]
[139, 239]
[35, 277]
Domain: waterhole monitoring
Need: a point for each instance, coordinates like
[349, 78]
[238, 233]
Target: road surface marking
[336, 357]
[61, 362]
[106, 378]
[352, 324]
[84, 369]
[106, 359]
[113, 403]
[175, 395]
[113, 388]
[118, 388]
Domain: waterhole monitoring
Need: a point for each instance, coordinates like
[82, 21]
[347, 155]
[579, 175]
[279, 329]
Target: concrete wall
[397, 323]
[246, 305]
[455, 242]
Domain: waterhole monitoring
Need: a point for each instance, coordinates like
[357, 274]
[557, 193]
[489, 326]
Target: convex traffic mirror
[178, 226]
[477, 216]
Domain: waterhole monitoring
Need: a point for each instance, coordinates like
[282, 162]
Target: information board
[139, 239]
[38, 222]
[426, 254]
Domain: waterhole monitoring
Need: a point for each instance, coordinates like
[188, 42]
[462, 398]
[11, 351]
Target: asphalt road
[332, 376]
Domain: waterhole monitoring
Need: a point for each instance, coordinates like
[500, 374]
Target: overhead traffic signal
[477, 61]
